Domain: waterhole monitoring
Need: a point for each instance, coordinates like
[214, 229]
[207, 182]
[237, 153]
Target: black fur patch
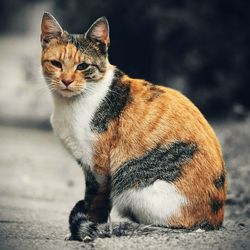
[161, 163]
[219, 183]
[78, 220]
[205, 225]
[111, 108]
[92, 185]
[101, 208]
[216, 205]
[78, 208]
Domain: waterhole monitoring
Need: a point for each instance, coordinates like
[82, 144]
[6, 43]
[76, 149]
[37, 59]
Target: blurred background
[198, 47]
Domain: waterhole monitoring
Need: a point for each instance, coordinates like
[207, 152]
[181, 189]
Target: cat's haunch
[147, 153]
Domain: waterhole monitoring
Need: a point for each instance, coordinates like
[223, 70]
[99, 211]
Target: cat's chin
[68, 93]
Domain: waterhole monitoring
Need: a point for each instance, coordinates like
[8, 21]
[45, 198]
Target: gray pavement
[39, 184]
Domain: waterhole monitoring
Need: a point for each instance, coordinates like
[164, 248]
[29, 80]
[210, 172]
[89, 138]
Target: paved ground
[39, 183]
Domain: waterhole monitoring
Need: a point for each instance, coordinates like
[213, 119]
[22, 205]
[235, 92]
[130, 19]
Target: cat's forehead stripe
[69, 52]
[62, 54]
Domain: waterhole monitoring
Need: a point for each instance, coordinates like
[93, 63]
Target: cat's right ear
[99, 31]
[50, 28]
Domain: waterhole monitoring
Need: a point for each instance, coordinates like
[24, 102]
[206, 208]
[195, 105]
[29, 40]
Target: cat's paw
[84, 238]
[87, 231]
[87, 239]
[68, 237]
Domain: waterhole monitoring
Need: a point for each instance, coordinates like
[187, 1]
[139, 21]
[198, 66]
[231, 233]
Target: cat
[147, 153]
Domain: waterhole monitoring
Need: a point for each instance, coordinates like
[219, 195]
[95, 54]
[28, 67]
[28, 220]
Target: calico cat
[147, 153]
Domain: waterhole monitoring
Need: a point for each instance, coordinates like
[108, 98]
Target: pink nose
[67, 82]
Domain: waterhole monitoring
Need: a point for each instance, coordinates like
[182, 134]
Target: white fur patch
[71, 118]
[155, 204]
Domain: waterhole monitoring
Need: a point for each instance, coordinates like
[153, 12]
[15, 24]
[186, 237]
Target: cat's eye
[56, 64]
[82, 66]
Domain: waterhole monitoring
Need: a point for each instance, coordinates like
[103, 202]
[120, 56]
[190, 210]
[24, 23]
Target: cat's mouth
[68, 92]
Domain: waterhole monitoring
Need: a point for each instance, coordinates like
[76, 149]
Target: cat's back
[167, 112]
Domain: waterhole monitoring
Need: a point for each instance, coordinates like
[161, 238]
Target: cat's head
[70, 62]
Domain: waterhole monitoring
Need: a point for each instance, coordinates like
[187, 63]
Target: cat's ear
[50, 28]
[99, 31]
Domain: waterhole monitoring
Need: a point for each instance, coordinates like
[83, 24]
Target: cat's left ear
[99, 31]
[50, 28]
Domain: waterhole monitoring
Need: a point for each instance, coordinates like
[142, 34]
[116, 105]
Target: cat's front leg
[93, 209]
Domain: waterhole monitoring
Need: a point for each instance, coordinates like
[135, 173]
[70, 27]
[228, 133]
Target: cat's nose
[67, 82]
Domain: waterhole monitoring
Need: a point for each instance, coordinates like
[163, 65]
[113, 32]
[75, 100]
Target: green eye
[56, 64]
[82, 66]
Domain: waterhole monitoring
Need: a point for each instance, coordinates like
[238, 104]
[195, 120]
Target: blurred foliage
[198, 47]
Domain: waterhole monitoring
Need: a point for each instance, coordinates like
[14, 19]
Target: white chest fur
[72, 117]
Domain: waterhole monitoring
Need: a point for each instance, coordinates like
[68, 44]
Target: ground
[39, 184]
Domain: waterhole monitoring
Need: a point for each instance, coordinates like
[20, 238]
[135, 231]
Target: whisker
[87, 47]
[106, 99]
[110, 90]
